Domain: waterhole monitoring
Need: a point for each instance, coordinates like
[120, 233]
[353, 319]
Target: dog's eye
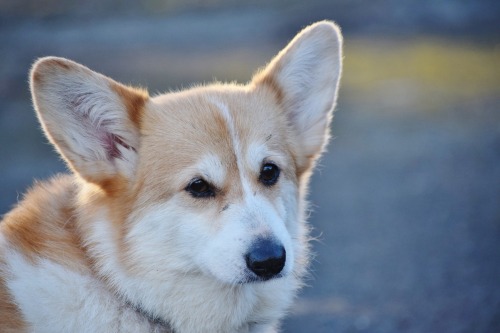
[199, 188]
[269, 174]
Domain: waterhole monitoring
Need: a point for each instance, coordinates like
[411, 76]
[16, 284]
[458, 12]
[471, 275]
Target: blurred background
[406, 203]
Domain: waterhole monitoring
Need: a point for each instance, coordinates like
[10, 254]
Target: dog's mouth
[252, 278]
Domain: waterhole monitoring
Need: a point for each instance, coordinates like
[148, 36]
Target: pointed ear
[92, 120]
[305, 78]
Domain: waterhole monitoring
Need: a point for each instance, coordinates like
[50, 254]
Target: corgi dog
[184, 212]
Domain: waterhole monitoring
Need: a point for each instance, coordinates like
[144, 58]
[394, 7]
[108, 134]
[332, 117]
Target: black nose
[266, 258]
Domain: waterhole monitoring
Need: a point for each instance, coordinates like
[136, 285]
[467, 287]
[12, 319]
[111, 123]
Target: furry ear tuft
[92, 120]
[305, 78]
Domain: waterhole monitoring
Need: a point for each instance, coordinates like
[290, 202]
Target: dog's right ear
[92, 120]
[305, 78]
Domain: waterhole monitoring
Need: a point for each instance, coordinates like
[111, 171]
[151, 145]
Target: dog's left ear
[93, 121]
[305, 78]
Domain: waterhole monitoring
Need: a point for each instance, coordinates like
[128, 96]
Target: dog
[184, 212]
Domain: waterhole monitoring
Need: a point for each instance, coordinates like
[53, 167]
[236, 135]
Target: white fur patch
[53, 298]
[210, 166]
[259, 152]
[164, 241]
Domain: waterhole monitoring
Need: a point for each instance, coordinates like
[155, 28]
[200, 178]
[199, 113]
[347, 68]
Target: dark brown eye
[269, 174]
[199, 188]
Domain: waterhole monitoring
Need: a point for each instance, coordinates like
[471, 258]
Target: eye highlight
[269, 174]
[199, 188]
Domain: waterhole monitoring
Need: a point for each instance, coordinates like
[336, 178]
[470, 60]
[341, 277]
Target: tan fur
[44, 225]
[134, 100]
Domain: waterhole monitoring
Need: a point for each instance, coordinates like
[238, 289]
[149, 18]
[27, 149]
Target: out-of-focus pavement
[406, 203]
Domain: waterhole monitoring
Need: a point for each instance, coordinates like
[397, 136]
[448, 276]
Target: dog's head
[209, 180]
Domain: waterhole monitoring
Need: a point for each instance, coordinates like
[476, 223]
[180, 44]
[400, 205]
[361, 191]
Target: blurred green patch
[426, 70]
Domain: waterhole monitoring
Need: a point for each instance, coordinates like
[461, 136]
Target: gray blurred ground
[406, 201]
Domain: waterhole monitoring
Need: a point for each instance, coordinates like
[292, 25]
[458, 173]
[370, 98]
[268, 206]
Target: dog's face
[205, 181]
[217, 168]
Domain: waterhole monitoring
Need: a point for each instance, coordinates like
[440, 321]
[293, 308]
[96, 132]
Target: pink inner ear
[97, 124]
[110, 142]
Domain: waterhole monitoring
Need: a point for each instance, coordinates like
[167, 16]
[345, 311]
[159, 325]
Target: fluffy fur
[121, 245]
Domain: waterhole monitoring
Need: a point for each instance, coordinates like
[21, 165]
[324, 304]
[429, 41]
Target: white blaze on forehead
[238, 149]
